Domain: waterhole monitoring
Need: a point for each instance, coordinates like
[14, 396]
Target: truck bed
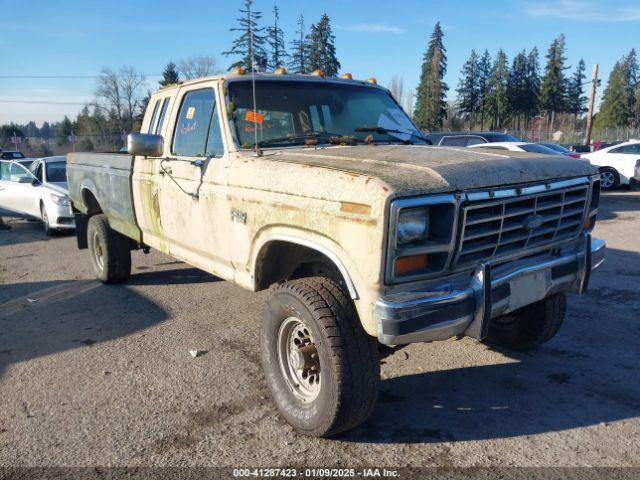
[107, 177]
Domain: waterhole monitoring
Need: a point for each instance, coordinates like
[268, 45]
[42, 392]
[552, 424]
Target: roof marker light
[317, 73]
[280, 71]
[348, 76]
[239, 70]
[372, 80]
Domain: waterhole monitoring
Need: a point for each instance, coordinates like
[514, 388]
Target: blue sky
[373, 38]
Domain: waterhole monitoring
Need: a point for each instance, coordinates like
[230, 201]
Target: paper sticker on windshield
[253, 117]
[191, 111]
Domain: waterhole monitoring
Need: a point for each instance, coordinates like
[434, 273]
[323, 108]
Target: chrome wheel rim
[298, 359]
[607, 179]
[98, 253]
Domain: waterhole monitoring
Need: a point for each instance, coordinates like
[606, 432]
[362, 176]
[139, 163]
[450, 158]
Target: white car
[618, 164]
[39, 192]
[517, 147]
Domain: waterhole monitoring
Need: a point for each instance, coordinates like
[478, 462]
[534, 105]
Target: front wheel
[530, 326]
[609, 178]
[322, 368]
[109, 250]
[45, 220]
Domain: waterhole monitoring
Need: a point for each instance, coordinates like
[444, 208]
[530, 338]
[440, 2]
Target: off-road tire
[530, 326]
[612, 172]
[348, 357]
[112, 264]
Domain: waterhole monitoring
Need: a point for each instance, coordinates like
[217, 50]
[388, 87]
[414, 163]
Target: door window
[153, 117]
[194, 123]
[163, 113]
[215, 147]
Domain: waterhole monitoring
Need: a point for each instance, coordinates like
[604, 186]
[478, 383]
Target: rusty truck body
[324, 190]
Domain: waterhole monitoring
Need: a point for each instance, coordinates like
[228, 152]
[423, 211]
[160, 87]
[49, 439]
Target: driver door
[192, 178]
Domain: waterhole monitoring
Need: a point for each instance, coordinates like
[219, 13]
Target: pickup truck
[323, 190]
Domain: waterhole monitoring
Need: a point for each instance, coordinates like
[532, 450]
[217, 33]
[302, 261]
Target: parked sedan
[39, 192]
[619, 164]
[517, 147]
[560, 149]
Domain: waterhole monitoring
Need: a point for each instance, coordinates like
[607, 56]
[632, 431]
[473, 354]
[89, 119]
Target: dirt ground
[101, 375]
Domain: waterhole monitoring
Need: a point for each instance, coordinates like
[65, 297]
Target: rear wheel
[321, 367]
[609, 178]
[109, 250]
[530, 326]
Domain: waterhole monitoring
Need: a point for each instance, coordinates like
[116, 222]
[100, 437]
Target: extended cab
[325, 190]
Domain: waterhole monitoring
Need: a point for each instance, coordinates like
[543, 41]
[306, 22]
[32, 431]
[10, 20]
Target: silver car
[39, 192]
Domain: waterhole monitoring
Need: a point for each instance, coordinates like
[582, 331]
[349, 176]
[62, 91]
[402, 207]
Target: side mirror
[145, 145]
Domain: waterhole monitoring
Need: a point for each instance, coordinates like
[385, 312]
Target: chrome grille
[491, 229]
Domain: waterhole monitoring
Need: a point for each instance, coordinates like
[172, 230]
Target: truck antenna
[256, 146]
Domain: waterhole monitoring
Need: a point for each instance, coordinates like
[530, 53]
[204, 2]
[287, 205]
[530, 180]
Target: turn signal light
[411, 264]
[589, 222]
[317, 73]
[348, 76]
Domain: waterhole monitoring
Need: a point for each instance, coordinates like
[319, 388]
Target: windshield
[536, 148]
[56, 172]
[301, 112]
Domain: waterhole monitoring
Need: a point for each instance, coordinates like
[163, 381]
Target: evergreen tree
[469, 89]
[298, 62]
[552, 93]
[531, 104]
[498, 99]
[576, 99]
[249, 46]
[517, 87]
[275, 39]
[484, 80]
[169, 75]
[322, 50]
[431, 107]
[614, 110]
[632, 73]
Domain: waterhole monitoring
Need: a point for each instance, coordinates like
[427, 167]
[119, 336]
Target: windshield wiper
[333, 138]
[392, 130]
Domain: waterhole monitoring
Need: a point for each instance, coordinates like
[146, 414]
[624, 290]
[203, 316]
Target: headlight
[421, 238]
[413, 225]
[60, 199]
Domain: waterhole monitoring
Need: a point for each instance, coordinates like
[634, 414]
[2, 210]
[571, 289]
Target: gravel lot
[101, 375]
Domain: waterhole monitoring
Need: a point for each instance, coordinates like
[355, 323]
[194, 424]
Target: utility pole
[592, 99]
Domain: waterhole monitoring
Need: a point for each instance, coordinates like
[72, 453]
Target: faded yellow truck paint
[220, 216]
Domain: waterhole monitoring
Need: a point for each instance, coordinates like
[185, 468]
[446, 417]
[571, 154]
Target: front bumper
[60, 217]
[429, 316]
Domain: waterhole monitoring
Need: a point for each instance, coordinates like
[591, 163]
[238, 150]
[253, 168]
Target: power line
[67, 77]
[44, 102]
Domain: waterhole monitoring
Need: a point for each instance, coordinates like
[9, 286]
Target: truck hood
[414, 169]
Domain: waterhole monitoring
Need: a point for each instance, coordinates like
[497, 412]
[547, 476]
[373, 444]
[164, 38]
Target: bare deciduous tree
[397, 89]
[196, 67]
[120, 94]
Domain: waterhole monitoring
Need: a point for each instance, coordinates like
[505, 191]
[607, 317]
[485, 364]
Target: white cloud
[593, 10]
[370, 28]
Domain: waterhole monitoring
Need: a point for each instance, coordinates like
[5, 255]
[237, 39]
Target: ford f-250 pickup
[324, 190]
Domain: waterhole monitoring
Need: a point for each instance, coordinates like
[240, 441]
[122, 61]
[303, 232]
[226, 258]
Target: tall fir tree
[431, 106]
[531, 104]
[517, 87]
[576, 100]
[632, 74]
[498, 98]
[322, 49]
[169, 75]
[484, 80]
[298, 60]
[249, 46]
[275, 40]
[552, 92]
[469, 89]
[614, 109]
